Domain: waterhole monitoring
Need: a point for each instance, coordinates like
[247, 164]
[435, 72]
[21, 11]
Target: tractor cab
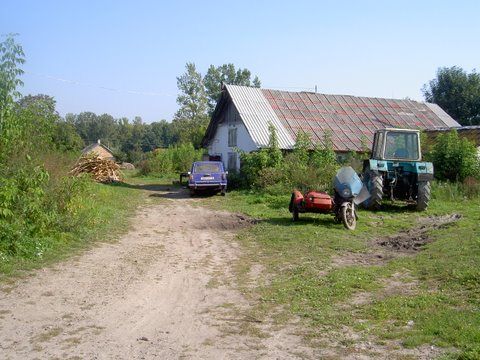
[397, 145]
[396, 170]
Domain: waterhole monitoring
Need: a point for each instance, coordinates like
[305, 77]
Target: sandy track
[152, 294]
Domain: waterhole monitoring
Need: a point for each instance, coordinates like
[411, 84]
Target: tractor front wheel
[375, 187]
[423, 195]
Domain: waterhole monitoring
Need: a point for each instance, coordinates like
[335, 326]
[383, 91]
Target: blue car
[207, 176]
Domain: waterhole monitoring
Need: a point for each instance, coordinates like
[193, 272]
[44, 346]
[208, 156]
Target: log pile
[101, 170]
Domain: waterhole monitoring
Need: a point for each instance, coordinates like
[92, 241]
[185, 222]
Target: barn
[99, 149]
[242, 116]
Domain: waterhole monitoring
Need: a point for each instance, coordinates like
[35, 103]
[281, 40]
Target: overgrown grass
[305, 276]
[102, 213]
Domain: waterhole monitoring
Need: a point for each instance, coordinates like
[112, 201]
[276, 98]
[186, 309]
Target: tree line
[129, 140]
[455, 90]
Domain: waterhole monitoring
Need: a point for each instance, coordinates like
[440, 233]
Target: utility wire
[67, 81]
[148, 93]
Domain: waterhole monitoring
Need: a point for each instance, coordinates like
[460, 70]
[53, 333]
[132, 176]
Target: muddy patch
[401, 244]
[224, 221]
[413, 240]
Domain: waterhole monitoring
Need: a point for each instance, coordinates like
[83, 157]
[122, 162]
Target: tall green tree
[456, 92]
[11, 128]
[226, 73]
[38, 120]
[191, 119]
[157, 135]
[11, 57]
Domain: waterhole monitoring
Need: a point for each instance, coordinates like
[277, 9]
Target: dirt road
[164, 290]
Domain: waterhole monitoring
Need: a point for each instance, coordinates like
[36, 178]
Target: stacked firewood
[101, 170]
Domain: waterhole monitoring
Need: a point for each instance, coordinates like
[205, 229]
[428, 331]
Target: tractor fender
[424, 167]
[377, 165]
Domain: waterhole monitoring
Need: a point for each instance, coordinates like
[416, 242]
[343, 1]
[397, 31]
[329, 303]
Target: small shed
[101, 150]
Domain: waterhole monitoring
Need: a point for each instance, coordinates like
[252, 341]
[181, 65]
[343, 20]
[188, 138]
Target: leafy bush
[184, 155]
[174, 159]
[304, 168]
[454, 158]
[39, 202]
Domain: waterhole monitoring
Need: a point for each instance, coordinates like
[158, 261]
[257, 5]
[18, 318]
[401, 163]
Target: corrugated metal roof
[350, 121]
[256, 113]
[447, 119]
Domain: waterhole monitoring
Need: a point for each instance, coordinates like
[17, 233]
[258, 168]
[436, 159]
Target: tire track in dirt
[149, 295]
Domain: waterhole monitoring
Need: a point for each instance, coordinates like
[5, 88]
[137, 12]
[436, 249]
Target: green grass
[305, 276]
[102, 213]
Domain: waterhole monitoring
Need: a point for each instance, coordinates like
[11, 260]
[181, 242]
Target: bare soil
[164, 290]
[414, 239]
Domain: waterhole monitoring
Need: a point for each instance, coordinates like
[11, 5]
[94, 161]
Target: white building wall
[219, 144]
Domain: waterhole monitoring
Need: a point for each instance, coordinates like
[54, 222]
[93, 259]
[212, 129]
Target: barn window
[232, 161]
[232, 137]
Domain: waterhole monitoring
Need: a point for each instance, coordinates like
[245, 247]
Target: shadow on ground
[147, 187]
[178, 194]
[397, 207]
[174, 191]
[324, 220]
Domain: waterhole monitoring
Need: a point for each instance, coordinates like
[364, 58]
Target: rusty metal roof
[349, 121]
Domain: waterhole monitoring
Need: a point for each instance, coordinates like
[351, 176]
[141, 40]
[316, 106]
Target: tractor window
[401, 146]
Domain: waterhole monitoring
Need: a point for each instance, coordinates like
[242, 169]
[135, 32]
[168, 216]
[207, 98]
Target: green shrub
[303, 168]
[454, 158]
[184, 155]
[39, 202]
[177, 158]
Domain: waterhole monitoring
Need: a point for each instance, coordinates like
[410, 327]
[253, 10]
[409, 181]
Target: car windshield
[401, 145]
[207, 168]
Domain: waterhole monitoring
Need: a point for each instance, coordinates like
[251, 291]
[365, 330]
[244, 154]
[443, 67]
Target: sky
[123, 57]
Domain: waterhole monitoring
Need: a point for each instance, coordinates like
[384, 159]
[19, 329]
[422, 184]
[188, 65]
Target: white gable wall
[219, 144]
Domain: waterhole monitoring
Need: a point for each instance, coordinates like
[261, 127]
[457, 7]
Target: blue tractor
[396, 170]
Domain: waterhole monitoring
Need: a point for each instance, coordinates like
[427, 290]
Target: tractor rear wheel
[375, 187]
[423, 195]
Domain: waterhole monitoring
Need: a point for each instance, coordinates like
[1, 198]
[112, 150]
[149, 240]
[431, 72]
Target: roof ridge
[323, 93]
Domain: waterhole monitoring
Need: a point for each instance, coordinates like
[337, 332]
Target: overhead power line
[74, 82]
[147, 93]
